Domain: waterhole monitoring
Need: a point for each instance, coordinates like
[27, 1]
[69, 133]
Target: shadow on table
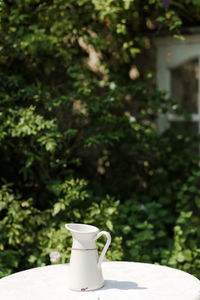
[121, 285]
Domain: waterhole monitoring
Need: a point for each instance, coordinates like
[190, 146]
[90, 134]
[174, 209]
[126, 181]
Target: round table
[123, 280]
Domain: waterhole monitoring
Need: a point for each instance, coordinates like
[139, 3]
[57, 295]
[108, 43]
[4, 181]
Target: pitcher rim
[93, 229]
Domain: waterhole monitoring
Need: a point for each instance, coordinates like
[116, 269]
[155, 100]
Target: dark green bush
[70, 147]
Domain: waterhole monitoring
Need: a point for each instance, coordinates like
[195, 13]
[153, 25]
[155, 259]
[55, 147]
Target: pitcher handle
[108, 236]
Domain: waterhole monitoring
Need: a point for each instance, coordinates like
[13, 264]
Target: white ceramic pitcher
[85, 272]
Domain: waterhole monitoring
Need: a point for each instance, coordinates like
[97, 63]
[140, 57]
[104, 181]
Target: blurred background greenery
[78, 135]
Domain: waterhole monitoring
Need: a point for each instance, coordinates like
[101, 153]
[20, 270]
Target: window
[178, 69]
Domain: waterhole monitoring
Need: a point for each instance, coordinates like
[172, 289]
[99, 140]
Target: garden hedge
[78, 140]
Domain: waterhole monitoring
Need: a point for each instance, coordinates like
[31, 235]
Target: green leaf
[109, 225]
[180, 257]
[57, 208]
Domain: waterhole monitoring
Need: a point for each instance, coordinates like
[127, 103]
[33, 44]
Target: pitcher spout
[81, 228]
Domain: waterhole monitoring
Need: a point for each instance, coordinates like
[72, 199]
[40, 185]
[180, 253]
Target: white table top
[123, 280]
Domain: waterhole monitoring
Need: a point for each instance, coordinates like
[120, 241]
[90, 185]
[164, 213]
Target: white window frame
[172, 53]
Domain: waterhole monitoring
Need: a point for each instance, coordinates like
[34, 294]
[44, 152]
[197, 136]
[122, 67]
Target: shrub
[78, 141]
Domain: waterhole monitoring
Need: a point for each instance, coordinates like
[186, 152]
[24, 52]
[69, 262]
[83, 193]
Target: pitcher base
[85, 289]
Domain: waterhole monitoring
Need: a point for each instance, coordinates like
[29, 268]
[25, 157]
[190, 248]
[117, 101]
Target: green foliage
[70, 147]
